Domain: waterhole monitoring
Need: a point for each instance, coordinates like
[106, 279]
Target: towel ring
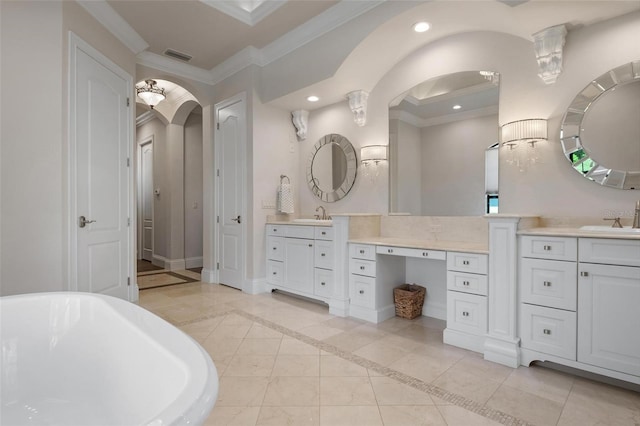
[282, 177]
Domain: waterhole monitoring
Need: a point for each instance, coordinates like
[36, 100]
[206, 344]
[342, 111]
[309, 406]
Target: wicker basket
[409, 299]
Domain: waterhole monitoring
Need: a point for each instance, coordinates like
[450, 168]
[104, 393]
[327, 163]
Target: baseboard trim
[208, 276]
[193, 262]
[169, 264]
[435, 310]
[255, 286]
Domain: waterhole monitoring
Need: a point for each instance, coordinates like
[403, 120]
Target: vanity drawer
[467, 262]
[411, 252]
[275, 272]
[299, 231]
[275, 248]
[610, 251]
[550, 283]
[323, 253]
[362, 251]
[548, 330]
[362, 267]
[324, 233]
[468, 283]
[553, 248]
[323, 282]
[362, 291]
[467, 312]
[277, 230]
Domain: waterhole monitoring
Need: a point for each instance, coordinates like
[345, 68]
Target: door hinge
[218, 265]
[128, 221]
[217, 219]
[128, 281]
[128, 162]
[218, 172]
[128, 101]
[217, 126]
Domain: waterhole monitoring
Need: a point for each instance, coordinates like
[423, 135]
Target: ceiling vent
[178, 55]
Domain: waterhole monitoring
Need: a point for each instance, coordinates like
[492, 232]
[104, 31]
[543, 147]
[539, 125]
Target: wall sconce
[373, 154]
[150, 93]
[358, 105]
[529, 131]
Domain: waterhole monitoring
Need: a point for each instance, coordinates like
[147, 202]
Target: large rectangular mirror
[443, 146]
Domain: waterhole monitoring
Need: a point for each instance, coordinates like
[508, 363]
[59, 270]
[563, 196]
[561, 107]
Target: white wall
[405, 162]
[32, 181]
[453, 166]
[193, 186]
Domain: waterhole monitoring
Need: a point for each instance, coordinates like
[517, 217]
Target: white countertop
[424, 244]
[577, 232]
[288, 222]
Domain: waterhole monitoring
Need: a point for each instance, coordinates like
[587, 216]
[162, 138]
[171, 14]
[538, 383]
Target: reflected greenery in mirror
[600, 131]
[440, 132]
[332, 168]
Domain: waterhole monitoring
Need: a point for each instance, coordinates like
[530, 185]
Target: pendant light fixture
[151, 93]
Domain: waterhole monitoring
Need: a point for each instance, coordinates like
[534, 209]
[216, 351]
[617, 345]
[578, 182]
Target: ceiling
[224, 36]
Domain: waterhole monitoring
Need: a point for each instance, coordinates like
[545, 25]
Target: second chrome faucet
[324, 214]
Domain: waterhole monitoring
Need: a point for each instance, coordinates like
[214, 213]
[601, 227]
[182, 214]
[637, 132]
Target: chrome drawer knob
[546, 331]
[361, 291]
[362, 268]
[361, 251]
[465, 262]
[465, 283]
[547, 283]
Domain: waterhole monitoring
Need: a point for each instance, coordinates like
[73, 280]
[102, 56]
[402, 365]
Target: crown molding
[416, 121]
[161, 63]
[249, 17]
[113, 22]
[450, 95]
[317, 26]
[144, 118]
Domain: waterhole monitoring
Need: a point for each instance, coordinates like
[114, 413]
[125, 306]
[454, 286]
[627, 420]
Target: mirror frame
[571, 130]
[352, 168]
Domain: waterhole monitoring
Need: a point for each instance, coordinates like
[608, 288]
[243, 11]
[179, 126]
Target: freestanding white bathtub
[87, 359]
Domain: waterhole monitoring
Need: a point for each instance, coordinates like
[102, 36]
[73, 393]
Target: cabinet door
[609, 317]
[299, 264]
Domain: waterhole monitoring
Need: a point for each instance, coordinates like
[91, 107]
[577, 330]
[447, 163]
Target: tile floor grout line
[455, 399]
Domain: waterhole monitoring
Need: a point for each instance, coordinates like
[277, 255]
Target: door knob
[237, 219]
[82, 221]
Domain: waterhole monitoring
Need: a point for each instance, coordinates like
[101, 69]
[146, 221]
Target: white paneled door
[100, 180]
[146, 200]
[230, 140]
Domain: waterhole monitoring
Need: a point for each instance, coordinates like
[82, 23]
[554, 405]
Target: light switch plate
[268, 204]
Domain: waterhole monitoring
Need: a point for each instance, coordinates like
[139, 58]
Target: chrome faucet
[636, 216]
[324, 213]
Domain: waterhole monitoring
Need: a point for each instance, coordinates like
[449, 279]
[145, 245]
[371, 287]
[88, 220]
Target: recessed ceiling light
[421, 27]
[457, 107]
[313, 98]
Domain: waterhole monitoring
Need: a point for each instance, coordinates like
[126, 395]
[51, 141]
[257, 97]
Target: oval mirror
[600, 131]
[332, 168]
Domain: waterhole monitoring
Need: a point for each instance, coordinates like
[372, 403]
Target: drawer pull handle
[389, 250]
[361, 251]
[546, 248]
[425, 254]
[322, 254]
[322, 283]
[361, 292]
[584, 274]
[275, 230]
[323, 233]
[275, 248]
[547, 331]
[465, 283]
[547, 283]
[465, 262]
[310, 245]
[362, 268]
[275, 273]
[465, 314]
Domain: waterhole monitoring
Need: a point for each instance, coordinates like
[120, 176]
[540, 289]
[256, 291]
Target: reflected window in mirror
[437, 153]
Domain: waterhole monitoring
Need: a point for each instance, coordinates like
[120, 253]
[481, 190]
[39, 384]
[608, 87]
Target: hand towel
[285, 198]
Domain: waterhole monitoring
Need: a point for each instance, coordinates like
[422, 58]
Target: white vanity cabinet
[580, 303]
[300, 260]
[548, 295]
[609, 304]
[467, 288]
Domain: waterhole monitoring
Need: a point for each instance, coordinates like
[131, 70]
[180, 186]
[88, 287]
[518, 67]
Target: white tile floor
[285, 361]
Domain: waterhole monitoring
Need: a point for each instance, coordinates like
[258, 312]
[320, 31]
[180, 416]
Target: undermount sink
[314, 221]
[604, 228]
